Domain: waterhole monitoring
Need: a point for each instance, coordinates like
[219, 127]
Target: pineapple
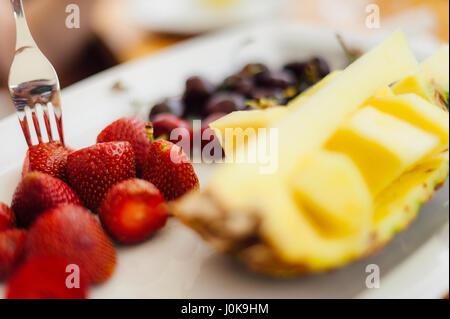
[322, 208]
[430, 81]
[382, 146]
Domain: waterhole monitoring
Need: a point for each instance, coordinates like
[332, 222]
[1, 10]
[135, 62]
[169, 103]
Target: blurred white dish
[176, 263]
[198, 16]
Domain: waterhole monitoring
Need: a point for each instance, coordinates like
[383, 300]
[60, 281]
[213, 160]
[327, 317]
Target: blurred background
[116, 31]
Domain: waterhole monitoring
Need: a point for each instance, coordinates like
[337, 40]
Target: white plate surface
[176, 263]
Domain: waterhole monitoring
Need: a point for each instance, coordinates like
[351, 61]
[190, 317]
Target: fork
[34, 86]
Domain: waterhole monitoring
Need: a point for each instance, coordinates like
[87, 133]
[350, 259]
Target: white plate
[198, 16]
[176, 263]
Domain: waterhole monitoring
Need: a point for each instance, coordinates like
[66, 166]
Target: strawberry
[133, 210]
[74, 233]
[49, 158]
[94, 170]
[12, 242]
[169, 169]
[37, 193]
[129, 129]
[45, 277]
[7, 217]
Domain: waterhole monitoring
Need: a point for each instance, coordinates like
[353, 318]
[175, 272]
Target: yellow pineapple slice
[332, 176]
[382, 146]
[235, 129]
[277, 223]
[418, 112]
[431, 81]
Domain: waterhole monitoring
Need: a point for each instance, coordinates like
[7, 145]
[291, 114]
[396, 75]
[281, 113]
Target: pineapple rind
[241, 234]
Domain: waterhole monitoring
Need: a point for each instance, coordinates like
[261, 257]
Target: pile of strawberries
[52, 244]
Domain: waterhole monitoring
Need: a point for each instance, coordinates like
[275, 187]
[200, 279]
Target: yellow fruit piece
[436, 68]
[384, 92]
[382, 146]
[418, 112]
[301, 98]
[315, 121]
[399, 204]
[433, 75]
[237, 128]
[330, 188]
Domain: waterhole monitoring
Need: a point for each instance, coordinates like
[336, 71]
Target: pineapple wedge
[431, 81]
[382, 146]
[418, 112]
[286, 223]
[349, 204]
[235, 129]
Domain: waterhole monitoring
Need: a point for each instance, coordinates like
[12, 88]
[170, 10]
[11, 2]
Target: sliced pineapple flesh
[382, 146]
[237, 128]
[355, 164]
[431, 80]
[349, 204]
[418, 112]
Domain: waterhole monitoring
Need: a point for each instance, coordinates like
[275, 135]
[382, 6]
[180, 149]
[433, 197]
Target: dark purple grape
[297, 68]
[253, 69]
[316, 69]
[170, 105]
[197, 93]
[239, 84]
[225, 103]
[275, 79]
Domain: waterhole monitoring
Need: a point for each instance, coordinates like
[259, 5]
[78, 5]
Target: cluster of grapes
[253, 83]
[255, 86]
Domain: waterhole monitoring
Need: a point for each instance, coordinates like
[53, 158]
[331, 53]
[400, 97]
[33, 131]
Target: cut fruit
[382, 146]
[399, 204]
[418, 112]
[431, 81]
[349, 90]
[330, 186]
[300, 99]
[286, 223]
[243, 126]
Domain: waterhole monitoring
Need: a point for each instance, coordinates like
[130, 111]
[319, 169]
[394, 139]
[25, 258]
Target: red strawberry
[169, 169]
[45, 277]
[74, 233]
[129, 129]
[37, 193]
[12, 242]
[7, 218]
[133, 210]
[49, 158]
[94, 170]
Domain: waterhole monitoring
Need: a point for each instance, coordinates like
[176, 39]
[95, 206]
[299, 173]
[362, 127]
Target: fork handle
[23, 38]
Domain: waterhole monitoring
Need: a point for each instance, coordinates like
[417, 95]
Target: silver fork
[34, 86]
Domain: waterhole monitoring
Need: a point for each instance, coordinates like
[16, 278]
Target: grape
[169, 105]
[197, 93]
[225, 103]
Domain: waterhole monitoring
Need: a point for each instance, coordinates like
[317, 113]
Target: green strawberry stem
[149, 131]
